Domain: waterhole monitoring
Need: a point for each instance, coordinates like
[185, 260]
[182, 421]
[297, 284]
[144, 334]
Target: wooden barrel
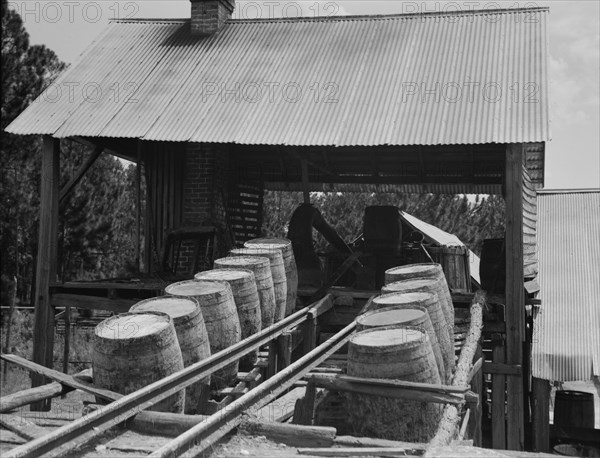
[291, 271]
[394, 309]
[492, 267]
[261, 267]
[574, 409]
[277, 272]
[220, 317]
[427, 270]
[245, 296]
[455, 264]
[132, 350]
[393, 352]
[443, 330]
[192, 337]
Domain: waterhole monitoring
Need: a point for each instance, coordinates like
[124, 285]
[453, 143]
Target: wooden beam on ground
[291, 435]
[515, 296]
[371, 442]
[43, 328]
[359, 451]
[21, 427]
[541, 415]
[75, 179]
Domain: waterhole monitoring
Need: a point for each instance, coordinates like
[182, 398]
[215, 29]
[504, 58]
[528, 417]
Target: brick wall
[205, 186]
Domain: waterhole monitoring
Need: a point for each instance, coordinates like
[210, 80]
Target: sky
[572, 156]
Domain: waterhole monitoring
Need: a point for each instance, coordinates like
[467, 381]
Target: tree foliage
[96, 221]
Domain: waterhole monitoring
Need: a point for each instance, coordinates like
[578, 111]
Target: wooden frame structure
[505, 165]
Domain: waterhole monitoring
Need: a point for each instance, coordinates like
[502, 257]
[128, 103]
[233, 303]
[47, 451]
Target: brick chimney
[208, 16]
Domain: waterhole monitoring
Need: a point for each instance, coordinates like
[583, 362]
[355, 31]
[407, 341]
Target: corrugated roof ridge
[351, 17]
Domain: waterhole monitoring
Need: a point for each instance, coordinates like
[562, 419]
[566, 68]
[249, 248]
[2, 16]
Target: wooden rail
[89, 426]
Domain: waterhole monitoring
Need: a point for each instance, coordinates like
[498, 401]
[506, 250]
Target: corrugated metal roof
[443, 238]
[566, 340]
[456, 78]
[425, 188]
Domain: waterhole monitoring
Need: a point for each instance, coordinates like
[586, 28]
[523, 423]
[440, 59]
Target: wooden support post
[80, 173]
[67, 341]
[138, 206]
[305, 190]
[515, 296]
[309, 339]
[284, 356]
[43, 335]
[498, 396]
[273, 353]
[541, 415]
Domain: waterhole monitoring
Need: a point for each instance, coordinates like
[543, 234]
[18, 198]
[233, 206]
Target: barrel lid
[390, 316]
[196, 288]
[269, 242]
[409, 285]
[414, 268]
[388, 336]
[173, 306]
[224, 274]
[244, 261]
[400, 298]
[274, 254]
[132, 325]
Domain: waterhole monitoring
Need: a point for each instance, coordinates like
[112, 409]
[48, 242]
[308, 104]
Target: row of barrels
[406, 334]
[247, 291]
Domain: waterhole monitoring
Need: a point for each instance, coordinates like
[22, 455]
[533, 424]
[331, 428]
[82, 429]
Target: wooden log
[26, 397]
[158, 423]
[449, 423]
[371, 442]
[22, 427]
[291, 435]
[43, 335]
[359, 451]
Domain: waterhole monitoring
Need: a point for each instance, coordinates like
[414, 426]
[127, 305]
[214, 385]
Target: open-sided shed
[436, 102]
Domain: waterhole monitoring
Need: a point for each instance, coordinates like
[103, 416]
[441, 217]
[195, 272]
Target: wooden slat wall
[530, 259]
[163, 165]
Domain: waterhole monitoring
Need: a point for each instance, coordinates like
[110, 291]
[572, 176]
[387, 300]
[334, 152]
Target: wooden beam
[541, 415]
[75, 179]
[46, 269]
[305, 185]
[498, 396]
[25, 397]
[291, 435]
[515, 296]
[138, 205]
[501, 368]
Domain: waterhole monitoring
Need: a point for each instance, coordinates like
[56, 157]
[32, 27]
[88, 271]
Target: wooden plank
[498, 398]
[66, 189]
[515, 297]
[91, 302]
[371, 442]
[541, 415]
[24, 428]
[359, 451]
[291, 435]
[43, 332]
[500, 368]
